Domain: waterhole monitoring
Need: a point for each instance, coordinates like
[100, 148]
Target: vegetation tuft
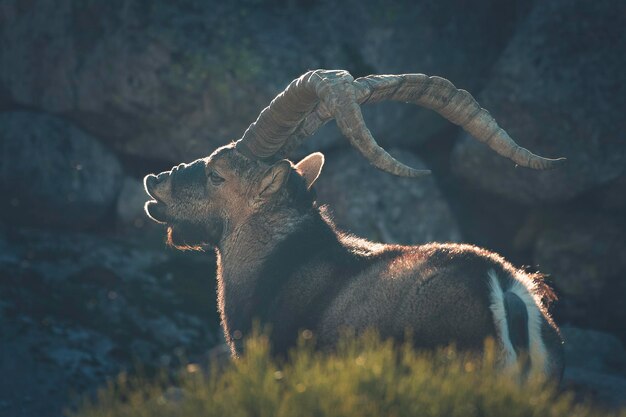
[363, 377]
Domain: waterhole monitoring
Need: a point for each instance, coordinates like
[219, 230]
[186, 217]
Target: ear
[310, 168]
[274, 178]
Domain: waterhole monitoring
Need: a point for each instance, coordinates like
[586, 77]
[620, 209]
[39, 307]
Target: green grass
[364, 377]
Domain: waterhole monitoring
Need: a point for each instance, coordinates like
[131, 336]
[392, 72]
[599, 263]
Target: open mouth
[155, 208]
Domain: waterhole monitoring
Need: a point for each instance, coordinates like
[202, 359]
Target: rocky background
[95, 94]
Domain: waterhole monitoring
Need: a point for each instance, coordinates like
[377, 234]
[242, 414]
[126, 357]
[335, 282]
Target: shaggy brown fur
[282, 261]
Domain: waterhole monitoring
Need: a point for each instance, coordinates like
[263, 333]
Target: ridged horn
[456, 105]
[319, 96]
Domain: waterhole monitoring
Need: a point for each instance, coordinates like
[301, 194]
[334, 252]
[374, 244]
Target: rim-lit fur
[282, 261]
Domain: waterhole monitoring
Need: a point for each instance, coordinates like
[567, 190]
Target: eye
[215, 179]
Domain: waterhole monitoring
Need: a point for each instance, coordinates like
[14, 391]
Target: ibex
[282, 261]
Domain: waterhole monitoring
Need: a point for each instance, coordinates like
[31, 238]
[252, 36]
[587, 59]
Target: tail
[518, 318]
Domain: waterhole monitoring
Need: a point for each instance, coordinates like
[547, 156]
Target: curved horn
[278, 121]
[319, 96]
[458, 106]
[334, 89]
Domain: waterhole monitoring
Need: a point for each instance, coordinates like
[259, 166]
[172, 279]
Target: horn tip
[553, 163]
[417, 173]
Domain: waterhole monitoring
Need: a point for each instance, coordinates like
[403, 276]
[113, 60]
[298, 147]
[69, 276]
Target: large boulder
[585, 256]
[381, 207]
[593, 351]
[559, 90]
[612, 196]
[173, 80]
[53, 173]
[595, 365]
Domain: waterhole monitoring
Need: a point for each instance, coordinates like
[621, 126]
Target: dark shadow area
[96, 95]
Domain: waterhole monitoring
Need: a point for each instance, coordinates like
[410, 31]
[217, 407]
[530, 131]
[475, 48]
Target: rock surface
[54, 174]
[559, 91]
[131, 221]
[130, 205]
[379, 206]
[585, 256]
[77, 309]
[595, 365]
[612, 196]
[174, 80]
[594, 351]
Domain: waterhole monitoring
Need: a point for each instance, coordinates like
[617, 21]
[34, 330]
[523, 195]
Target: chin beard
[187, 236]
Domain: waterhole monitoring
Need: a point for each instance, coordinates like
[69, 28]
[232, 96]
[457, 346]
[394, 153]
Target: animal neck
[247, 244]
[258, 258]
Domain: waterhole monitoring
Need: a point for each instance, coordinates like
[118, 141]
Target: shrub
[363, 377]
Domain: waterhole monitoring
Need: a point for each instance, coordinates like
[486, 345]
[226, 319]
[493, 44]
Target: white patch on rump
[522, 287]
[499, 317]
